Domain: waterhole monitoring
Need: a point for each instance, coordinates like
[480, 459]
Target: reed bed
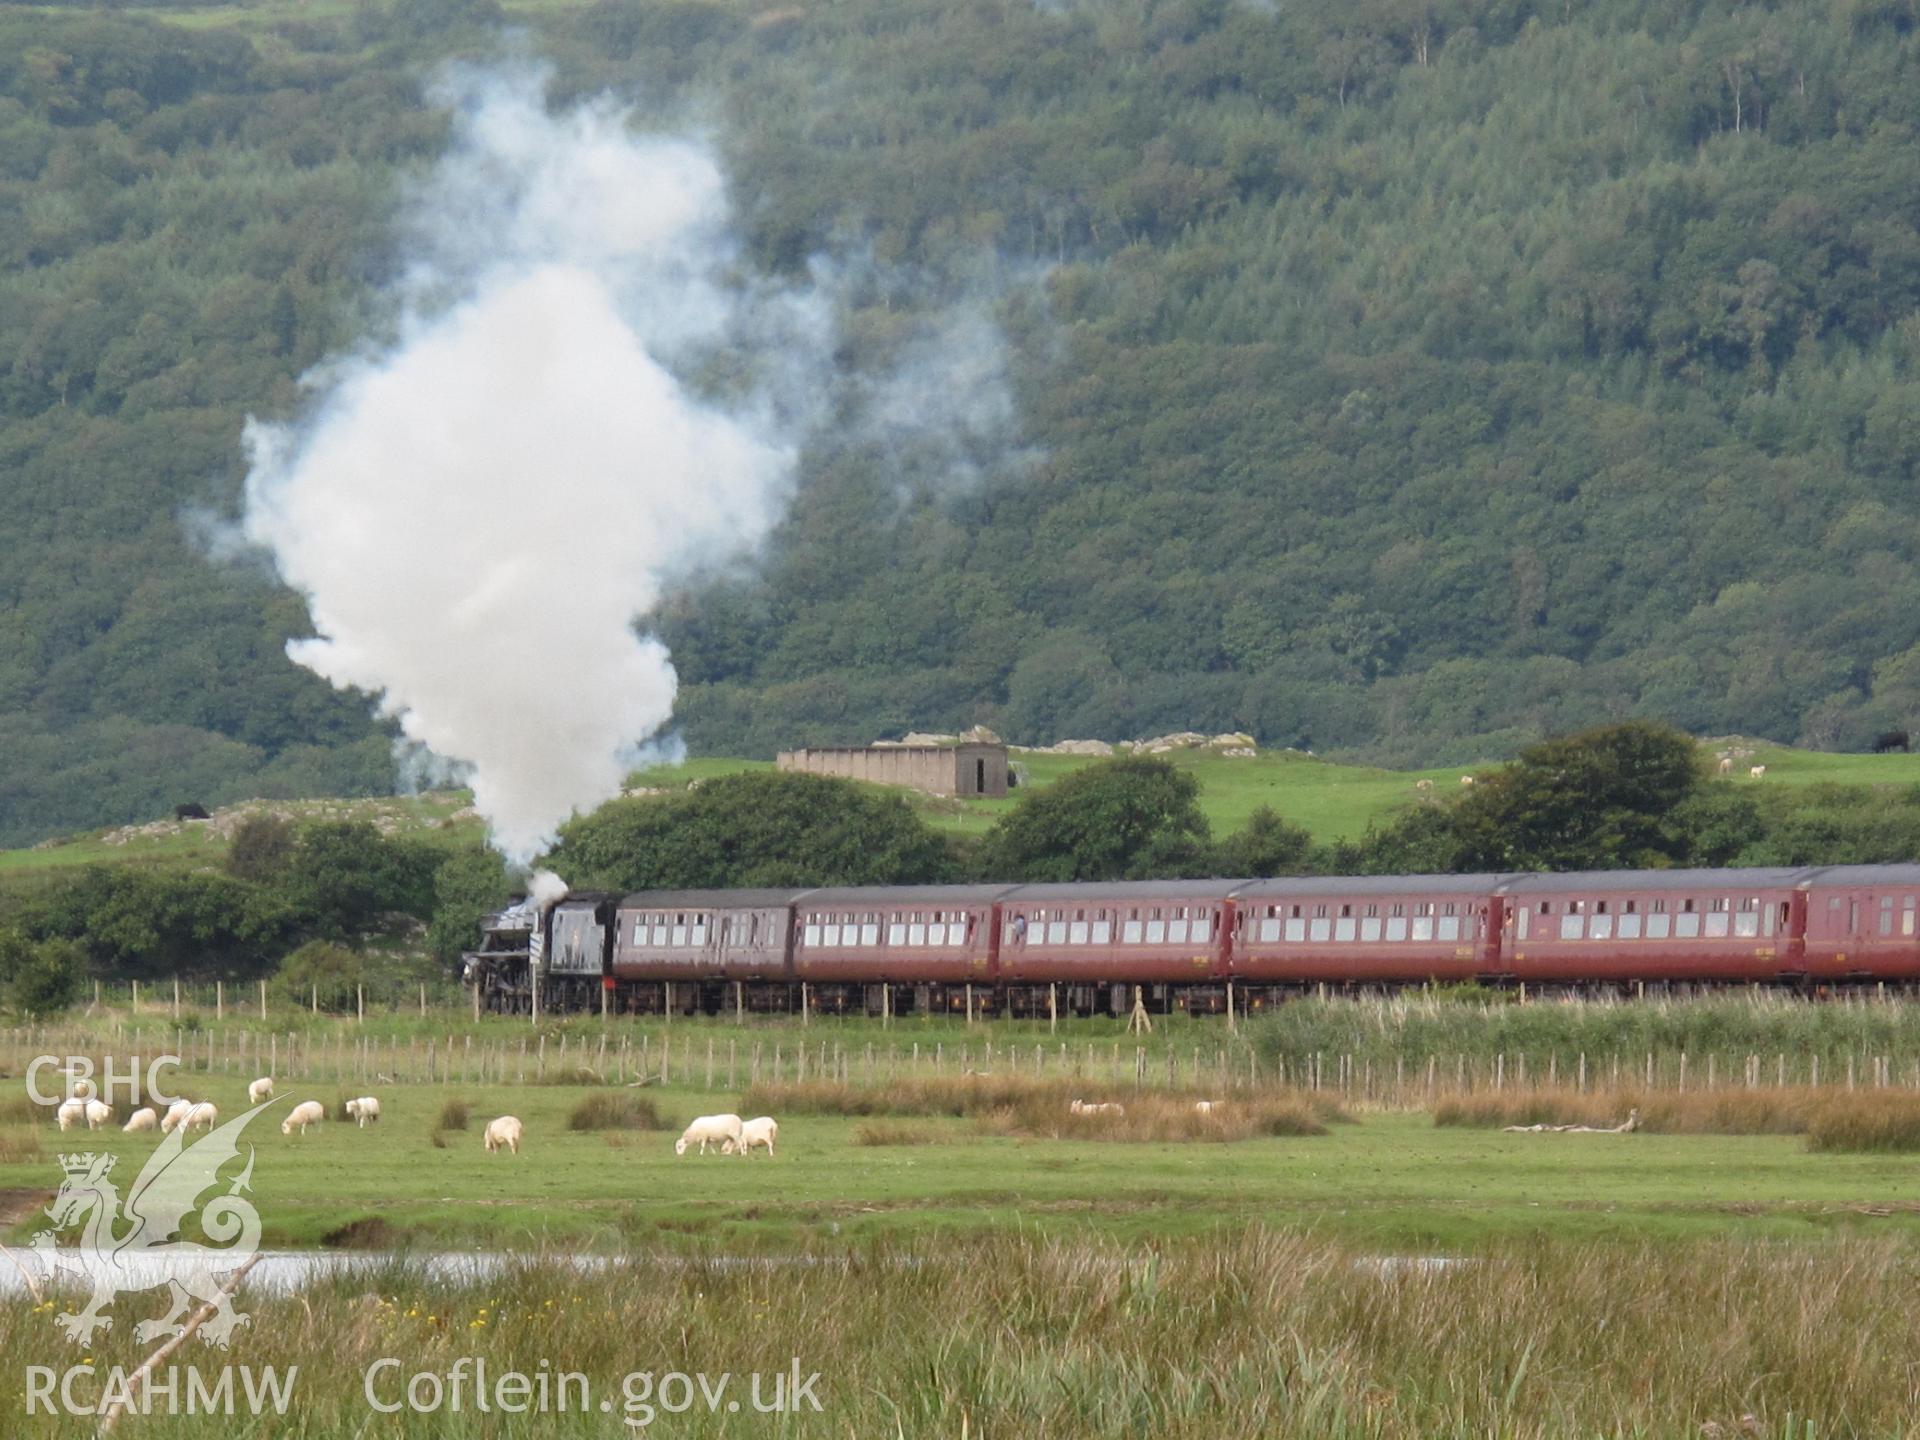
[1250, 1333]
[1833, 1120]
[1161, 1119]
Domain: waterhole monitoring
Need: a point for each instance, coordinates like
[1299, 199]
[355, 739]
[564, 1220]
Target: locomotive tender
[1016, 949]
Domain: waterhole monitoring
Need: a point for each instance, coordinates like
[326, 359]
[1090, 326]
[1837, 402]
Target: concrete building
[963, 770]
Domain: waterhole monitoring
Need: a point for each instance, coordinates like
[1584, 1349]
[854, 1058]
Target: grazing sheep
[176, 1114]
[723, 1130]
[760, 1131]
[82, 1089]
[307, 1112]
[201, 1116]
[1423, 786]
[364, 1109]
[261, 1089]
[98, 1113]
[1757, 771]
[503, 1133]
[1466, 779]
[1208, 1107]
[145, 1118]
[1087, 1107]
[1726, 765]
[70, 1114]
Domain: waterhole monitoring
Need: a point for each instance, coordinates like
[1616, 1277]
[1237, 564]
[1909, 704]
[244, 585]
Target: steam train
[1192, 944]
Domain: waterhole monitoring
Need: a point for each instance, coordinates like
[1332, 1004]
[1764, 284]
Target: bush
[327, 971]
[616, 1110]
[453, 1115]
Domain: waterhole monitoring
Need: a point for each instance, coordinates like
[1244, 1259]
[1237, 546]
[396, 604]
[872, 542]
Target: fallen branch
[139, 1377]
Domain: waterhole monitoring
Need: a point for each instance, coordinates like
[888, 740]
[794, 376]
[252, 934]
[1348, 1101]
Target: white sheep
[761, 1131]
[176, 1114]
[1466, 779]
[1089, 1107]
[503, 1134]
[365, 1109]
[1757, 771]
[1726, 765]
[202, 1116]
[1208, 1107]
[145, 1118]
[307, 1112]
[1423, 786]
[721, 1130]
[261, 1089]
[98, 1113]
[70, 1114]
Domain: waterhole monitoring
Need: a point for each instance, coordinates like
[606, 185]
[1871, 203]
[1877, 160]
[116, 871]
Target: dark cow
[1893, 740]
[192, 810]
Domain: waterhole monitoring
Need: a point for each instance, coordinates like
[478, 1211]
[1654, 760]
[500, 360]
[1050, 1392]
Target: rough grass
[616, 1110]
[571, 1075]
[1832, 1120]
[1020, 1102]
[884, 1134]
[19, 1146]
[1242, 1333]
[454, 1115]
[1870, 1120]
[1161, 1119]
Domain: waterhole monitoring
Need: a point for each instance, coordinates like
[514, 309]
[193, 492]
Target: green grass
[1393, 1180]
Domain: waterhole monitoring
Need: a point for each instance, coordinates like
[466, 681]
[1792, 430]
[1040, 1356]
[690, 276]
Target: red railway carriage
[1738, 925]
[1861, 921]
[905, 935]
[1403, 929]
[1138, 933]
[704, 935]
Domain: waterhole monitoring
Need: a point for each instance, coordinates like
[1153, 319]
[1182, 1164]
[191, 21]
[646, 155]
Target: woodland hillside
[1404, 381]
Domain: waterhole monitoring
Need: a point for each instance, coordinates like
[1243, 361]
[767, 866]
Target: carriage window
[679, 934]
[1370, 928]
[1521, 926]
[1853, 917]
[1103, 932]
[1601, 926]
[1886, 916]
[1202, 929]
[1372, 910]
[1571, 925]
[660, 933]
[1449, 927]
[1056, 932]
[1296, 929]
[1423, 924]
[897, 932]
[1629, 924]
[870, 932]
[1322, 928]
[811, 935]
[1130, 933]
[1077, 933]
[1176, 932]
[1688, 927]
[916, 931]
[1269, 931]
[1717, 924]
[698, 933]
[1906, 917]
[1343, 927]
[1747, 923]
[1659, 925]
[1397, 926]
[1156, 932]
[830, 935]
[937, 933]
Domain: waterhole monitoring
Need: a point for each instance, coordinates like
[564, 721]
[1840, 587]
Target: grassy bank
[1256, 1332]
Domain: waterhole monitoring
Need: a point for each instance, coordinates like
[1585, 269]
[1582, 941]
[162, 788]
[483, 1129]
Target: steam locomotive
[1195, 945]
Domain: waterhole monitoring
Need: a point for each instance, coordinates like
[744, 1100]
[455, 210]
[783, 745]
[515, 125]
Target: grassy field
[1389, 1180]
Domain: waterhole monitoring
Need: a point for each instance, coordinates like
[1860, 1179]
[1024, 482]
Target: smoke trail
[477, 512]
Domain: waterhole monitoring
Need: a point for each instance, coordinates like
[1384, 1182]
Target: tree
[1136, 817]
[322, 973]
[764, 829]
[1268, 846]
[468, 885]
[1598, 800]
[40, 979]
[346, 875]
[262, 848]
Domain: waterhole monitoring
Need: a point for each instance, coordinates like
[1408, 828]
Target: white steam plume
[478, 512]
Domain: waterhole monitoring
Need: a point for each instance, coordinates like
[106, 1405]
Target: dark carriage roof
[905, 895]
[1828, 876]
[1123, 889]
[1771, 878]
[710, 899]
[1372, 885]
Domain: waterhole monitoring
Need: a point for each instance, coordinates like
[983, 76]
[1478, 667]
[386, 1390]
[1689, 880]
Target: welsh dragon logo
[136, 1245]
